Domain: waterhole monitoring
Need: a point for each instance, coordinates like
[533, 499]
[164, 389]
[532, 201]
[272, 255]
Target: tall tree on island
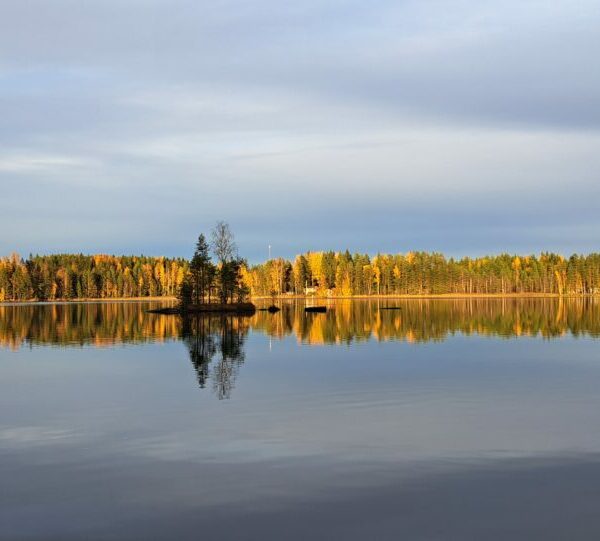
[201, 270]
[223, 242]
[229, 265]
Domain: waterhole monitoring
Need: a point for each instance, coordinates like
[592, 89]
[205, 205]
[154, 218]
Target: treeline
[341, 274]
[71, 277]
[64, 276]
[421, 273]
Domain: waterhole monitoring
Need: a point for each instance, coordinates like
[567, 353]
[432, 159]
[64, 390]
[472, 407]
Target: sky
[466, 127]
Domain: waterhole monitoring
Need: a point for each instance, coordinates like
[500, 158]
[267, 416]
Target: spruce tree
[200, 270]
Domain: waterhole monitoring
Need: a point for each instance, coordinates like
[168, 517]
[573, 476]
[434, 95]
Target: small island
[210, 287]
[245, 308]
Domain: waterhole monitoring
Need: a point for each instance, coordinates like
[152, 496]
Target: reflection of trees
[201, 345]
[423, 320]
[347, 321]
[221, 336]
[98, 324]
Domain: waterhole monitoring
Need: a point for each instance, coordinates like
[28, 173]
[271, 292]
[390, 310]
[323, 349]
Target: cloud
[26, 162]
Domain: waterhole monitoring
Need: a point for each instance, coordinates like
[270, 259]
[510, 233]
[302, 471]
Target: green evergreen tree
[200, 269]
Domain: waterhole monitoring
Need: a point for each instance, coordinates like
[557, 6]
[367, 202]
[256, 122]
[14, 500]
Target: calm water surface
[445, 419]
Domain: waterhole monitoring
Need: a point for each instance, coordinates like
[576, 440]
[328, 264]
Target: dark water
[462, 419]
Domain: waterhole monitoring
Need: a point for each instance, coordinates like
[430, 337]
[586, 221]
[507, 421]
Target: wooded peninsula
[322, 274]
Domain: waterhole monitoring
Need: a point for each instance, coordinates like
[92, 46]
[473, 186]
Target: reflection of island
[223, 337]
[422, 320]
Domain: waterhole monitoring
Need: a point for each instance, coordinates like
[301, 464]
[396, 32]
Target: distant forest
[421, 273]
[71, 277]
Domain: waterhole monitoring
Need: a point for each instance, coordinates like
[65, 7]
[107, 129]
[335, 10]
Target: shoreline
[429, 296]
[90, 300]
[437, 296]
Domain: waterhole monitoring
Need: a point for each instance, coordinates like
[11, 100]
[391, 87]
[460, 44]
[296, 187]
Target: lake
[408, 419]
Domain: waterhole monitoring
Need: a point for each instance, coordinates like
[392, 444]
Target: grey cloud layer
[368, 117]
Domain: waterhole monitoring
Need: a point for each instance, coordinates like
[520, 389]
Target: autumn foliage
[66, 277]
[340, 274]
[419, 273]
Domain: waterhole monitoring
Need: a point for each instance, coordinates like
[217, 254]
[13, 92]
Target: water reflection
[103, 324]
[473, 438]
[210, 336]
[426, 320]
[100, 324]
